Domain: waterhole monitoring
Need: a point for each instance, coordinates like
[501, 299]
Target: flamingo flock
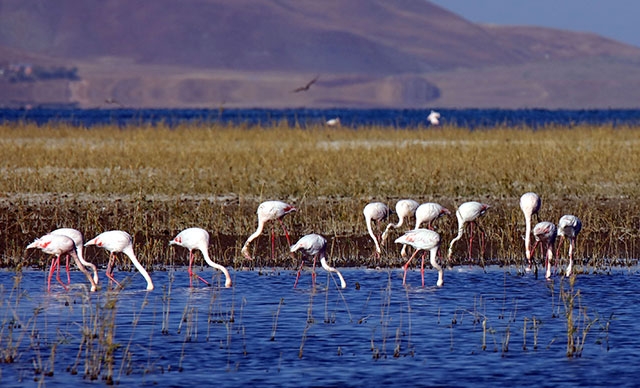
[69, 242]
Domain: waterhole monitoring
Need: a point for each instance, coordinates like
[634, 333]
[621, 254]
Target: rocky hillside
[246, 53]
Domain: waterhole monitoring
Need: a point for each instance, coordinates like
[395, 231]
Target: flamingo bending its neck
[316, 246]
[78, 239]
[58, 245]
[545, 232]
[197, 238]
[425, 240]
[116, 241]
[375, 212]
[269, 211]
[468, 213]
[569, 226]
[530, 204]
[405, 209]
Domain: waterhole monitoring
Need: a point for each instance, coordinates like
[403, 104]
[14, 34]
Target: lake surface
[398, 118]
[480, 328]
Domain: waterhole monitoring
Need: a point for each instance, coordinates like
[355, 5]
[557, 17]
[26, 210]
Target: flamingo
[375, 212]
[335, 122]
[269, 211]
[425, 240]
[468, 212]
[545, 232]
[530, 205]
[116, 241]
[433, 118]
[78, 239]
[316, 246]
[197, 238]
[427, 212]
[405, 208]
[569, 226]
[55, 244]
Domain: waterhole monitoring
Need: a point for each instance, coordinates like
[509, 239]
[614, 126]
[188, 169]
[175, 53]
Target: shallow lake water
[482, 327]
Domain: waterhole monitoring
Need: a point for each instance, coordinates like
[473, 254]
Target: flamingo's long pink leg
[109, 271]
[298, 275]
[406, 266]
[286, 233]
[191, 273]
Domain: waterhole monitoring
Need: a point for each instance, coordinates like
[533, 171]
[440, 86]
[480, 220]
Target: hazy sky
[615, 19]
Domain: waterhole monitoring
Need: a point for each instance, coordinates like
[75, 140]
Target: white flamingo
[55, 244]
[569, 226]
[198, 238]
[425, 240]
[434, 118]
[530, 204]
[78, 239]
[545, 232]
[468, 212]
[405, 209]
[316, 246]
[269, 211]
[427, 212]
[116, 241]
[375, 212]
[335, 122]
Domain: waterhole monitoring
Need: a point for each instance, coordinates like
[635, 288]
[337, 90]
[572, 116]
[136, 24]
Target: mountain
[255, 53]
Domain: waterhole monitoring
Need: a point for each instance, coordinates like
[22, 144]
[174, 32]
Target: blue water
[375, 332]
[398, 118]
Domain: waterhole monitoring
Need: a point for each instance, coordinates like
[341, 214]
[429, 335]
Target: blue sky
[615, 19]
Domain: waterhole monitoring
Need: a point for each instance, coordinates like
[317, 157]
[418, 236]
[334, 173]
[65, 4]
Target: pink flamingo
[375, 212]
[316, 246]
[469, 212]
[197, 238]
[405, 209]
[78, 239]
[427, 212]
[269, 211]
[54, 244]
[425, 240]
[545, 232]
[569, 226]
[116, 241]
[530, 204]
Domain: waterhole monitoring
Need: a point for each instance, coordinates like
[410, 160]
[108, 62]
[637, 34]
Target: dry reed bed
[155, 181]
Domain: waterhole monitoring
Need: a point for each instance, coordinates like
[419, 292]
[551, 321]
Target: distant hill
[247, 53]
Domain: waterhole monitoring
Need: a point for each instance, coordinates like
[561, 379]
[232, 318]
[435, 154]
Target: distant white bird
[405, 209]
[335, 122]
[468, 212]
[545, 232]
[569, 226]
[530, 204]
[197, 238]
[116, 241]
[269, 211]
[434, 118]
[375, 212]
[58, 245]
[425, 240]
[316, 246]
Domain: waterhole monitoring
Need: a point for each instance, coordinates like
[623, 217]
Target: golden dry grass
[154, 181]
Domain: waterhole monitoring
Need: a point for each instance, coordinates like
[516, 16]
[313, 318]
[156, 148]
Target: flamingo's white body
[434, 118]
[116, 241]
[530, 204]
[316, 246]
[545, 232]
[335, 122]
[78, 239]
[198, 238]
[58, 245]
[429, 212]
[569, 226]
[405, 209]
[375, 212]
[269, 211]
[468, 212]
[425, 240]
